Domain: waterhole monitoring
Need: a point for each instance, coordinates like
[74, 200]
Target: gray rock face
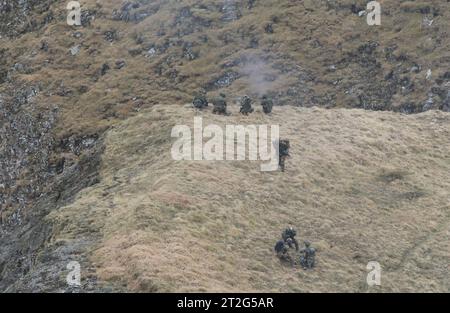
[87, 16]
[186, 23]
[225, 80]
[74, 50]
[25, 141]
[21, 16]
[230, 11]
[35, 178]
[446, 102]
[133, 12]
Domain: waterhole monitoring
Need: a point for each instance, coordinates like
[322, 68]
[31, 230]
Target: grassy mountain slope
[362, 186]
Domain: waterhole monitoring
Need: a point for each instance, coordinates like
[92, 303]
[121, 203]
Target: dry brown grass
[360, 185]
[301, 25]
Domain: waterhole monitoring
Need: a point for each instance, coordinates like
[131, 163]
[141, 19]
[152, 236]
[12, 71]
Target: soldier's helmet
[307, 243]
[289, 241]
[222, 95]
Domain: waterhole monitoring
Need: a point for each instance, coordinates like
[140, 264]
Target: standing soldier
[283, 153]
[220, 105]
[267, 104]
[308, 259]
[246, 105]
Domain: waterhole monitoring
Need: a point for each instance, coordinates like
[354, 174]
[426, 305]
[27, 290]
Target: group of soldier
[220, 107]
[288, 245]
[220, 104]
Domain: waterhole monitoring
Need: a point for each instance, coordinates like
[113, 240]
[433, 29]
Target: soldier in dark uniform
[220, 105]
[246, 105]
[282, 252]
[307, 260]
[267, 104]
[200, 101]
[288, 236]
[280, 247]
[283, 153]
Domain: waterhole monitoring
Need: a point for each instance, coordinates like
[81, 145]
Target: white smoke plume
[257, 72]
